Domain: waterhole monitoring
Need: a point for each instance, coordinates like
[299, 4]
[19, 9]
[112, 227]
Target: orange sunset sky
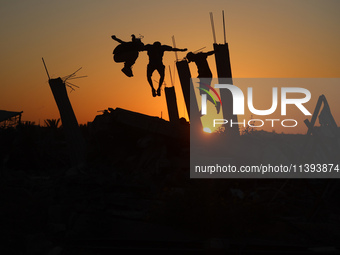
[267, 38]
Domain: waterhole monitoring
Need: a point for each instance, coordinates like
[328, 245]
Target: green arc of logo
[206, 91]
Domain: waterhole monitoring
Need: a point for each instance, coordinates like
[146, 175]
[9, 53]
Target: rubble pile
[135, 193]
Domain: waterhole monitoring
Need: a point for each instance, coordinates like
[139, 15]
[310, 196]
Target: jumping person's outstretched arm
[209, 53]
[176, 49]
[117, 39]
[146, 47]
[169, 48]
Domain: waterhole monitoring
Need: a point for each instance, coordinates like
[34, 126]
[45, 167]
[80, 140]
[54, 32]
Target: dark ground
[135, 195]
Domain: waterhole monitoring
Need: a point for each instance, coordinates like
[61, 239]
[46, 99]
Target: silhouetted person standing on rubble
[204, 72]
[127, 52]
[155, 52]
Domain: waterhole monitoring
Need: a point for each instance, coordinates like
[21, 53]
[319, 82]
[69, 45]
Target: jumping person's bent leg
[161, 71]
[149, 72]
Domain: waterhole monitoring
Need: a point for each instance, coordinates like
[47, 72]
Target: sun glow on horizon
[207, 130]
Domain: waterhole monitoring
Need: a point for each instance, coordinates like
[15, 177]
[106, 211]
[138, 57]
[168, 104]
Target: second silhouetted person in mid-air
[127, 52]
[155, 52]
[204, 72]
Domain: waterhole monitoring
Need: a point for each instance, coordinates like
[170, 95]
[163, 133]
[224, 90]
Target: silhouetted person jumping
[127, 52]
[155, 52]
[204, 72]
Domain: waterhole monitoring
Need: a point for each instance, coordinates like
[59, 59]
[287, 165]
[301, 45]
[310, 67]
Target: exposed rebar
[46, 69]
[174, 44]
[224, 34]
[212, 26]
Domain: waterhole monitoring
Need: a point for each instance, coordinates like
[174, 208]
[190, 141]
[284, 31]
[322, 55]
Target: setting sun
[207, 130]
